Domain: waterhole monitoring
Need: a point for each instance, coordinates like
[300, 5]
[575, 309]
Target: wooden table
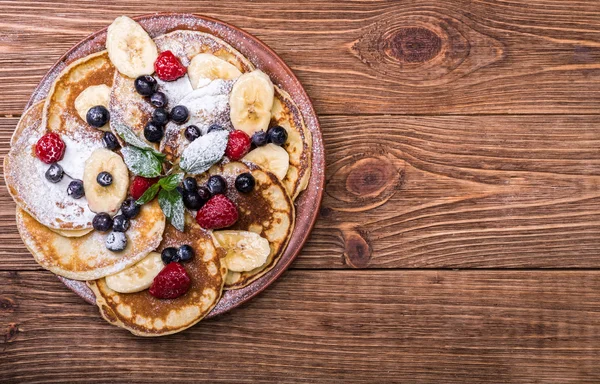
[459, 238]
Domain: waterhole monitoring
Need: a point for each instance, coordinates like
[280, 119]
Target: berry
[116, 241]
[190, 184]
[120, 223]
[169, 255]
[180, 114]
[104, 179]
[245, 182]
[216, 185]
[214, 127]
[75, 189]
[130, 208]
[260, 138]
[158, 99]
[192, 200]
[277, 135]
[192, 132]
[170, 283]
[55, 173]
[185, 253]
[238, 145]
[110, 141]
[102, 222]
[140, 184]
[97, 116]
[146, 85]
[160, 117]
[152, 132]
[204, 193]
[50, 148]
[218, 212]
[168, 67]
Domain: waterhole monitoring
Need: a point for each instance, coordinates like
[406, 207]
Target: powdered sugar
[205, 151]
[175, 90]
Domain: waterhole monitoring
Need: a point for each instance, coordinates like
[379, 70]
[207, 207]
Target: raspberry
[168, 67]
[140, 184]
[218, 212]
[238, 145]
[170, 283]
[50, 148]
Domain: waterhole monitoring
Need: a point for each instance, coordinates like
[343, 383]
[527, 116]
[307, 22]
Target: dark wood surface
[459, 238]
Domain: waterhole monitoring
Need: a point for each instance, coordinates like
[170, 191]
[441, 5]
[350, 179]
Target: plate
[307, 204]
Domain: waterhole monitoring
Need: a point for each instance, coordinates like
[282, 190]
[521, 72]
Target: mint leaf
[131, 138]
[203, 152]
[171, 204]
[140, 162]
[148, 195]
[171, 182]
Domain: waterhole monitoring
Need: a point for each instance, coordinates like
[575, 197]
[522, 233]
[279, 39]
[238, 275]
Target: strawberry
[238, 145]
[170, 283]
[218, 212]
[168, 67]
[140, 184]
[50, 148]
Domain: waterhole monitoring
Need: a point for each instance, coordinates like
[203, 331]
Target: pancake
[86, 257]
[144, 315]
[267, 210]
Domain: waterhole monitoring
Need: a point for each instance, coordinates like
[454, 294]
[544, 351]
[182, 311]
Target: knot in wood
[370, 176]
[357, 249]
[412, 45]
[7, 304]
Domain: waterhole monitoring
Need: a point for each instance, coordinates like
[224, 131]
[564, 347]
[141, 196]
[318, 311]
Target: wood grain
[402, 57]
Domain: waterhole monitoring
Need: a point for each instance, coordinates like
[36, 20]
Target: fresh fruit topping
[110, 141]
[204, 193]
[104, 179]
[75, 189]
[120, 223]
[245, 182]
[50, 148]
[130, 48]
[140, 184]
[238, 145]
[55, 173]
[192, 200]
[116, 241]
[190, 184]
[192, 133]
[260, 138]
[218, 212]
[168, 67]
[90, 97]
[110, 197]
[145, 85]
[152, 132]
[214, 127]
[272, 158]
[169, 255]
[102, 222]
[130, 208]
[137, 277]
[160, 117]
[97, 116]
[185, 253]
[205, 67]
[251, 101]
[158, 99]
[277, 135]
[216, 185]
[245, 250]
[170, 283]
[180, 114]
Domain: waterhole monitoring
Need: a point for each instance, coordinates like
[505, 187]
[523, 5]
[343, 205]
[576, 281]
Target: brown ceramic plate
[307, 204]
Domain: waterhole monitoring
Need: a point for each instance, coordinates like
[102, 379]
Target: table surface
[459, 237]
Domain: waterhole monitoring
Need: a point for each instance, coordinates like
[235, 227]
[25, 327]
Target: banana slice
[72, 232]
[90, 97]
[137, 277]
[272, 158]
[245, 250]
[205, 67]
[105, 199]
[130, 48]
[251, 101]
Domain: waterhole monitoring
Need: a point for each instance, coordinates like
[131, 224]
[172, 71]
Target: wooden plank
[324, 327]
[440, 192]
[408, 57]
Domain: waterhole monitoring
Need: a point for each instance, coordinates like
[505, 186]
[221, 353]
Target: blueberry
[180, 114]
[153, 133]
[190, 184]
[104, 179]
[185, 253]
[216, 185]
[116, 241]
[158, 99]
[169, 255]
[97, 116]
[130, 208]
[260, 138]
[55, 173]
[204, 193]
[192, 200]
[277, 135]
[192, 132]
[102, 222]
[160, 117]
[110, 141]
[180, 190]
[75, 189]
[120, 223]
[245, 182]
[145, 85]
[215, 127]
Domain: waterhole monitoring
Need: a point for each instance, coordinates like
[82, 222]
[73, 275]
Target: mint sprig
[171, 204]
[203, 152]
[142, 163]
[171, 182]
[148, 195]
[129, 136]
